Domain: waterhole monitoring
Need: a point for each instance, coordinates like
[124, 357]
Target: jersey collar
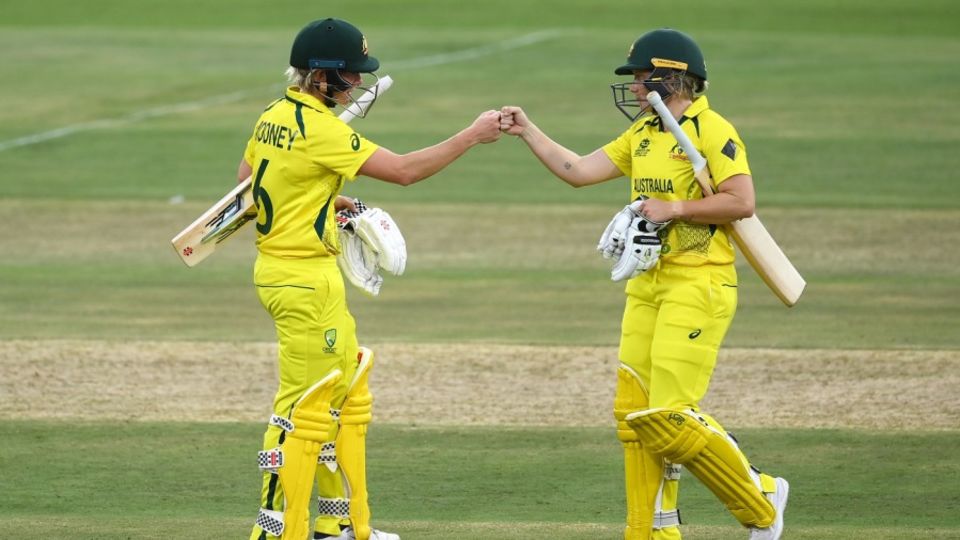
[698, 106]
[296, 95]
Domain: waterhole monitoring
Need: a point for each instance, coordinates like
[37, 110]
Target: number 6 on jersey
[201, 238]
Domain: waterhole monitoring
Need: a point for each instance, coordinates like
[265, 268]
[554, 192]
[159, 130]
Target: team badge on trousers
[330, 336]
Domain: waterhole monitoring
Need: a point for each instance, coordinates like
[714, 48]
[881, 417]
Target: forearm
[421, 164]
[243, 170]
[559, 160]
[717, 209]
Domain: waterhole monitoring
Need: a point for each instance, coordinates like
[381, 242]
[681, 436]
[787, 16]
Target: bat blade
[767, 259]
[200, 239]
[196, 242]
[752, 238]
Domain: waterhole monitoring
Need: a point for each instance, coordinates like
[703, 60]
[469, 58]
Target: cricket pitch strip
[476, 384]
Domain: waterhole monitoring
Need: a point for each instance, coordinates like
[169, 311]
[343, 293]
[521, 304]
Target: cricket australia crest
[330, 336]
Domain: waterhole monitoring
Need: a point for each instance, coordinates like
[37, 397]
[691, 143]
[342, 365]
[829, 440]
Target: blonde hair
[691, 86]
[301, 78]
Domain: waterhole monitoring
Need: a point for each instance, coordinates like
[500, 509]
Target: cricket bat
[753, 239]
[201, 238]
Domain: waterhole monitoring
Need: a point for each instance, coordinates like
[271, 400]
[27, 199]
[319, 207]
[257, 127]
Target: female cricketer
[682, 288]
[300, 156]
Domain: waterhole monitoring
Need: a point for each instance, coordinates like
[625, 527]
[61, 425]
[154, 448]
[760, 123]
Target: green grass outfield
[112, 109]
[194, 481]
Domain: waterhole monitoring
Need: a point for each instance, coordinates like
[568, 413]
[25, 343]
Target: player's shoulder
[324, 118]
[712, 117]
[713, 125]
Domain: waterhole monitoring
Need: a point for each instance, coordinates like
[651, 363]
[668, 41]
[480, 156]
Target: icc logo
[643, 148]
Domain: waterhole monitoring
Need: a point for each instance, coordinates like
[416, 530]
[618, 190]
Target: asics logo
[694, 334]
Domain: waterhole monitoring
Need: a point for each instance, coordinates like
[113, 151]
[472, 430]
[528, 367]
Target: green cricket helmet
[667, 48]
[669, 55]
[332, 44]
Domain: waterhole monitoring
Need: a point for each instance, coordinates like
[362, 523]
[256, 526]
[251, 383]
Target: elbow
[575, 181]
[746, 209]
[405, 178]
[399, 175]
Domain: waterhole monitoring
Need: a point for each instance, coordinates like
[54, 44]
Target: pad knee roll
[680, 436]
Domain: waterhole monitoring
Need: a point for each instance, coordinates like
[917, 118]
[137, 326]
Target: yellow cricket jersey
[301, 155]
[658, 168]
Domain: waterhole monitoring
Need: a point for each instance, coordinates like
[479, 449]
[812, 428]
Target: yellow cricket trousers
[316, 334]
[673, 324]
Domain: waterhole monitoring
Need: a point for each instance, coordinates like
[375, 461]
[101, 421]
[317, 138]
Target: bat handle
[654, 99]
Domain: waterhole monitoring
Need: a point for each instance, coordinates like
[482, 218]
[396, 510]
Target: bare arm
[406, 169]
[565, 164]
[734, 200]
[244, 170]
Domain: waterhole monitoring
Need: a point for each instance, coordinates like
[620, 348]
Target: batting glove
[641, 250]
[612, 240]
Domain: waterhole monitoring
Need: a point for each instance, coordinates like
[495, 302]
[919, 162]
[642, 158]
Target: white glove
[613, 240]
[641, 249]
[370, 241]
[359, 263]
[378, 231]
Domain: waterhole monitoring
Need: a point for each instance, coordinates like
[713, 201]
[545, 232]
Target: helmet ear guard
[665, 81]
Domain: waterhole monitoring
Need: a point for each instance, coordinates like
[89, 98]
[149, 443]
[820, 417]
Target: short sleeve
[341, 149]
[724, 150]
[248, 152]
[618, 150]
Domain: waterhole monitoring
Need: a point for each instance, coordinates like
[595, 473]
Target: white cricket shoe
[779, 500]
[375, 534]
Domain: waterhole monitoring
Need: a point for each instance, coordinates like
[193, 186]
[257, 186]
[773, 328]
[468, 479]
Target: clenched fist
[513, 121]
[486, 128]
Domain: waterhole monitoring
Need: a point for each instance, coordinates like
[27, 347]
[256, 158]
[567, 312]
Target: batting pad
[642, 470]
[355, 415]
[682, 437]
[311, 423]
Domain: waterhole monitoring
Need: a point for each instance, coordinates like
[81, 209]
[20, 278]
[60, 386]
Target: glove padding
[378, 231]
[359, 264]
[369, 241]
[612, 240]
[641, 250]
[631, 240]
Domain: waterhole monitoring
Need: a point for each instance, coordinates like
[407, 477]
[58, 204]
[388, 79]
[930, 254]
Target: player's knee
[675, 434]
